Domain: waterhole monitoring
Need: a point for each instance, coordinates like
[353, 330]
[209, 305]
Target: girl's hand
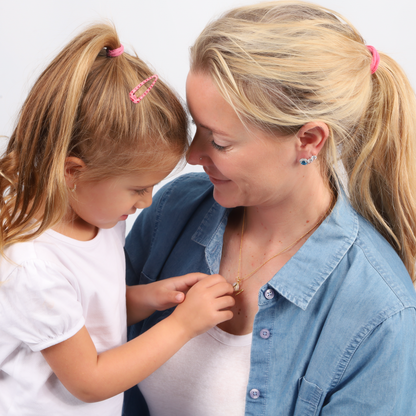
[205, 306]
[93, 377]
[143, 300]
[170, 292]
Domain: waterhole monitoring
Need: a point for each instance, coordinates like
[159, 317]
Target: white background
[32, 32]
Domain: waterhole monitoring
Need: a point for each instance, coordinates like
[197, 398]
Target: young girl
[86, 152]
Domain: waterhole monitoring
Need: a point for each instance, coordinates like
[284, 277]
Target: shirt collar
[301, 277]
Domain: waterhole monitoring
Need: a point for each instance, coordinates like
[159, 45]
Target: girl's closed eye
[141, 191]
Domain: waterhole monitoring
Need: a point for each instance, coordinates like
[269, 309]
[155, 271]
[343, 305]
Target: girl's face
[247, 167]
[103, 204]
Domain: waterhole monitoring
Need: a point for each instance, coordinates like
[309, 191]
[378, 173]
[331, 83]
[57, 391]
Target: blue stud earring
[307, 161]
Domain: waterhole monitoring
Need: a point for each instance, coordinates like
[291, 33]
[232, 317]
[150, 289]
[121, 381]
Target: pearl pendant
[236, 286]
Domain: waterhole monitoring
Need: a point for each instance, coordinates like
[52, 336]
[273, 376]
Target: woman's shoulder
[368, 265]
[384, 265]
[193, 185]
[184, 195]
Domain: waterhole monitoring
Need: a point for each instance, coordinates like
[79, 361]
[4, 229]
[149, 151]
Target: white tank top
[207, 377]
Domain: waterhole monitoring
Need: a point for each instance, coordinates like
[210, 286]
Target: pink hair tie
[112, 53]
[376, 58]
[138, 99]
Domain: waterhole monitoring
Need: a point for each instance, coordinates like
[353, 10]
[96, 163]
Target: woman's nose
[196, 154]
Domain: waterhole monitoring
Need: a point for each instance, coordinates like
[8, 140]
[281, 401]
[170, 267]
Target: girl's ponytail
[80, 106]
[380, 161]
[32, 183]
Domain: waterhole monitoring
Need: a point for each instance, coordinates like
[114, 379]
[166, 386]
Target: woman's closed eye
[218, 147]
[215, 145]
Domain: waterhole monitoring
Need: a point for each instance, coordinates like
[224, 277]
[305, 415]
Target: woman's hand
[143, 300]
[206, 305]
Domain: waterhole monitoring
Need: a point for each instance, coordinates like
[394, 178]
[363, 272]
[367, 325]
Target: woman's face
[247, 167]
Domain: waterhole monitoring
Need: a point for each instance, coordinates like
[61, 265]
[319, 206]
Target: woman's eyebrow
[223, 133]
[214, 130]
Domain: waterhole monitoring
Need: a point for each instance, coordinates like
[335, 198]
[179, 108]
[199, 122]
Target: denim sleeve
[137, 249]
[138, 244]
[380, 379]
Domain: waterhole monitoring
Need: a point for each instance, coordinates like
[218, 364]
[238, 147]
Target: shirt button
[265, 333]
[254, 393]
[269, 294]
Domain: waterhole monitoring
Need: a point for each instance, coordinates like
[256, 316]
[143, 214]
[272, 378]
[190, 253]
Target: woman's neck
[290, 218]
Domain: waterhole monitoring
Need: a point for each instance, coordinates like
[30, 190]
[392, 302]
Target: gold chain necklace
[239, 280]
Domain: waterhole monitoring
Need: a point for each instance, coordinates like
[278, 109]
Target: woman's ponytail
[282, 64]
[380, 160]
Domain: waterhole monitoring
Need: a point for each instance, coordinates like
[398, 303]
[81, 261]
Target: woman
[324, 320]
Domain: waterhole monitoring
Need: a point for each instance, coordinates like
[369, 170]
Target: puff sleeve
[39, 305]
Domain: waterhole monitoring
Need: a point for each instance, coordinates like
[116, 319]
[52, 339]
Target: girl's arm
[93, 377]
[143, 300]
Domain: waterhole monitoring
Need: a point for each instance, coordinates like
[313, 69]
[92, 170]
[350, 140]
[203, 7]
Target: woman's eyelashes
[218, 147]
[210, 133]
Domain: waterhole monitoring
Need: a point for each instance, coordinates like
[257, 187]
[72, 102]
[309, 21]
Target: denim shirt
[335, 331]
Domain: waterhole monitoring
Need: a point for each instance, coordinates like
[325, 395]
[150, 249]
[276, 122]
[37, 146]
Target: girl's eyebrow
[146, 186]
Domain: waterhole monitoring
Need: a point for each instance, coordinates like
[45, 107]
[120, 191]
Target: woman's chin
[226, 200]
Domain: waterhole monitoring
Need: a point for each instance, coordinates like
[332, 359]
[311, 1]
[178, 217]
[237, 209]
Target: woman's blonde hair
[282, 64]
[80, 107]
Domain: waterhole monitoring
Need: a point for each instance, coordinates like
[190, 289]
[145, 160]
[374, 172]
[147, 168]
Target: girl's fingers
[177, 297]
[183, 283]
[210, 281]
[224, 316]
[220, 289]
[224, 302]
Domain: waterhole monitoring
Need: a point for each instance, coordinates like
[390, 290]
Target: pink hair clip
[376, 58]
[112, 53]
[132, 92]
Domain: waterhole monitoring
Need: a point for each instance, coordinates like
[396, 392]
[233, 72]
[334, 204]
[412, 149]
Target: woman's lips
[216, 181]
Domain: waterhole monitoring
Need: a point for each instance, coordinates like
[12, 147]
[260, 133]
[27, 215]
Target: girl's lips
[123, 217]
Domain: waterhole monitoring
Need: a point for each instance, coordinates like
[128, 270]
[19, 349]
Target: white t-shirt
[208, 376]
[52, 288]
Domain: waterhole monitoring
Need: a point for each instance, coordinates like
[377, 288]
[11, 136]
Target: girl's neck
[74, 227]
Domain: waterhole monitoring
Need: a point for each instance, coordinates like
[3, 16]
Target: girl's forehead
[148, 178]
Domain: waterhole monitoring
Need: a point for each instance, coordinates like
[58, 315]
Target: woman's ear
[312, 137]
[73, 167]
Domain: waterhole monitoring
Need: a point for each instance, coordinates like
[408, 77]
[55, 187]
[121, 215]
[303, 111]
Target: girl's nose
[145, 200]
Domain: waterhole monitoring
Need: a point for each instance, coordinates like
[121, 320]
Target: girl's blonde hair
[80, 107]
[282, 64]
